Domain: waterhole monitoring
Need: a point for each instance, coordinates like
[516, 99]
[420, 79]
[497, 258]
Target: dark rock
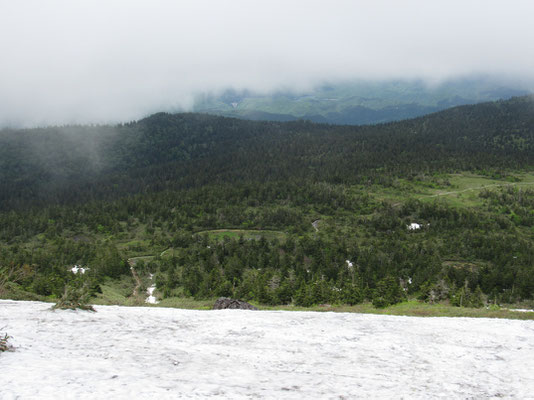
[223, 303]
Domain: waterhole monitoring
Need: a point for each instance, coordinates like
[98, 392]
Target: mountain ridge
[29, 159]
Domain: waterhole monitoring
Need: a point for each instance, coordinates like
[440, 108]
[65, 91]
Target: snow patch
[79, 269]
[165, 353]
[151, 299]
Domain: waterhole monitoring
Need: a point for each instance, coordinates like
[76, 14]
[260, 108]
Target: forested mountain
[221, 206]
[185, 150]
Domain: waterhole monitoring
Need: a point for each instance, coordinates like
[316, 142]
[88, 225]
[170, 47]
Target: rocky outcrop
[224, 303]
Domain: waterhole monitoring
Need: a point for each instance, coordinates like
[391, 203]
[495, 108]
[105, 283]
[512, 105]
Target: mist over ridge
[70, 63]
[359, 102]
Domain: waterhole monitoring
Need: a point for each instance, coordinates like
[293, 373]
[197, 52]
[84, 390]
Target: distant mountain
[356, 103]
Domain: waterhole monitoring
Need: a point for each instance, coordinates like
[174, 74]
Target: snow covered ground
[162, 353]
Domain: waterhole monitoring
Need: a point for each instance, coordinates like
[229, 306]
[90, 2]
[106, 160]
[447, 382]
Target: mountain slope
[278, 213]
[169, 150]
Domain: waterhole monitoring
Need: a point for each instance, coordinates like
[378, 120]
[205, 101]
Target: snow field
[148, 352]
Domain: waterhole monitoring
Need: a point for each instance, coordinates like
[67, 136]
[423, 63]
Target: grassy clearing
[248, 234]
[465, 188]
[118, 292]
[135, 260]
[170, 252]
[462, 189]
[134, 248]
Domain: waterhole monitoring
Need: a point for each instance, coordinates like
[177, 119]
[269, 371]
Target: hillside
[169, 150]
[219, 206]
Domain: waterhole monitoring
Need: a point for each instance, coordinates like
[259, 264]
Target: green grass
[462, 191]
[415, 309]
[465, 188]
[188, 303]
[118, 292]
[13, 291]
[145, 259]
[170, 252]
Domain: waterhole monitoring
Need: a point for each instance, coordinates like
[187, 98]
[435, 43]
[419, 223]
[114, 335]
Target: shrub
[433, 293]
[12, 274]
[387, 292]
[352, 295]
[464, 297]
[380, 302]
[4, 345]
[75, 298]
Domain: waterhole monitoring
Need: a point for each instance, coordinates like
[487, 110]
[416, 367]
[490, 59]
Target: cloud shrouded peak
[104, 61]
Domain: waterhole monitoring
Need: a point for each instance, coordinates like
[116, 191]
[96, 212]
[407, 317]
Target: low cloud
[107, 61]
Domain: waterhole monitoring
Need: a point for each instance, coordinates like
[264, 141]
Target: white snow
[149, 352]
[413, 226]
[79, 269]
[521, 310]
[151, 299]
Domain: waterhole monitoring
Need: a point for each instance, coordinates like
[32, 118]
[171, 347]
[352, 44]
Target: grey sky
[103, 61]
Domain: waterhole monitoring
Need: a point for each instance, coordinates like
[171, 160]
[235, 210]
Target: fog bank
[100, 61]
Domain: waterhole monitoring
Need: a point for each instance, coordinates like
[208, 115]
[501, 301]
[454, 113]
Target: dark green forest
[276, 213]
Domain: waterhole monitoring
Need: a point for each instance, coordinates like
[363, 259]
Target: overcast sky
[106, 61]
